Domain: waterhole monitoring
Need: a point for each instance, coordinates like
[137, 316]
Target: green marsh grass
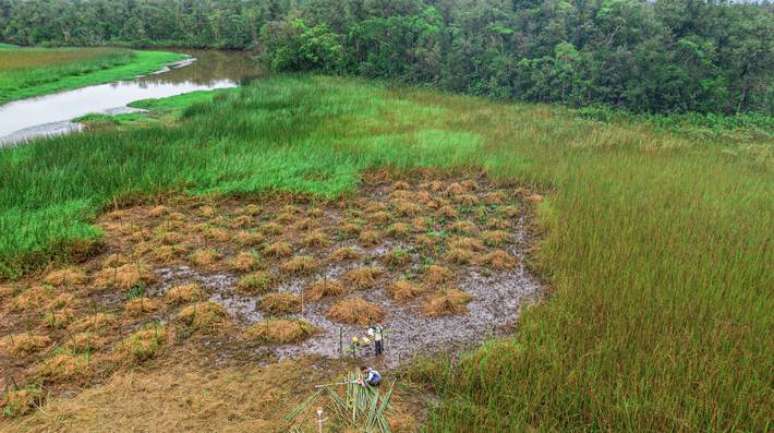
[27, 72]
[656, 247]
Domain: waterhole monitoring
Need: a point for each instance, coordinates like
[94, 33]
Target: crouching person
[370, 376]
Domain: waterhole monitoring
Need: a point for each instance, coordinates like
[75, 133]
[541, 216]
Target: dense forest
[645, 56]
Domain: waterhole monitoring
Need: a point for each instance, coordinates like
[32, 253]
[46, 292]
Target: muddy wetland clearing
[437, 262]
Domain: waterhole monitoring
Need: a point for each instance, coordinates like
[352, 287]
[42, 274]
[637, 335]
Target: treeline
[230, 24]
[645, 56]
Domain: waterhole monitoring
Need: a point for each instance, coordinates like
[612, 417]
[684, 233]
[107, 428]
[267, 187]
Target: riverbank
[28, 72]
[654, 245]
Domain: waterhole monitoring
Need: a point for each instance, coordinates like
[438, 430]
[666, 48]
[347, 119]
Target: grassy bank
[655, 247]
[27, 72]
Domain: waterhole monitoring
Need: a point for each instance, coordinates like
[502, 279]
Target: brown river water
[52, 114]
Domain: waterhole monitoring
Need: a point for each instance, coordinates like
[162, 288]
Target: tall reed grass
[656, 247]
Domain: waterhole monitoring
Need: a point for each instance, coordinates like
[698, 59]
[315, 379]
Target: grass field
[7, 46]
[655, 246]
[27, 72]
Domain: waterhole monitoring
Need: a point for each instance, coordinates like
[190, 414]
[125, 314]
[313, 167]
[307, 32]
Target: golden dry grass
[499, 259]
[324, 287]
[495, 237]
[279, 249]
[279, 304]
[185, 293]
[205, 257]
[65, 367]
[446, 302]
[280, 331]
[141, 345]
[124, 277]
[316, 238]
[138, 307]
[344, 254]
[370, 238]
[364, 277]
[31, 299]
[66, 277]
[20, 402]
[95, 322]
[404, 290]
[300, 265]
[24, 344]
[459, 256]
[244, 261]
[436, 275]
[249, 238]
[466, 243]
[207, 317]
[355, 311]
[84, 342]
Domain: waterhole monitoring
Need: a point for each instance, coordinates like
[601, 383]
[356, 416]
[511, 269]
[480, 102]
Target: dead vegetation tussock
[300, 265]
[459, 256]
[446, 302]
[124, 277]
[31, 299]
[364, 277]
[59, 319]
[344, 254]
[464, 227]
[205, 257]
[397, 257]
[370, 238]
[324, 287]
[255, 283]
[7, 292]
[65, 368]
[500, 260]
[166, 254]
[185, 293]
[380, 218]
[436, 275]
[244, 261]
[404, 290]
[280, 331]
[207, 317]
[249, 238]
[406, 208]
[66, 277]
[316, 238]
[447, 212]
[466, 199]
[466, 243]
[96, 322]
[84, 342]
[22, 401]
[399, 230]
[356, 311]
[272, 228]
[349, 230]
[24, 344]
[495, 237]
[279, 304]
[141, 306]
[279, 249]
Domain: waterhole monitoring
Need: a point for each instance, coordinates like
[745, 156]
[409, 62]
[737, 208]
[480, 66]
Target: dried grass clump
[242, 221]
[511, 211]
[324, 287]
[399, 230]
[272, 228]
[62, 300]
[66, 277]
[185, 293]
[499, 259]
[280, 331]
[497, 223]
[31, 299]
[244, 262]
[419, 224]
[280, 303]
[426, 242]
[85, 342]
[470, 185]
[205, 257]
[250, 210]
[459, 256]
[64, 367]
[380, 218]
[169, 238]
[363, 278]
[20, 402]
[493, 198]
[455, 188]
[176, 216]
[24, 344]
[404, 290]
[285, 218]
[374, 207]
[291, 209]
[115, 260]
[94, 322]
[255, 283]
[355, 311]
[495, 237]
[406, 208]
[124, 277]
[535, 198]
[344, 254]
[169, 253]
[142, 345]
[217, 234]
[447, 212]
[203, 316]
[466, 199]
[452, 301]
[300, 265]
[316, 238]
[436, 275]
[465, 243]
[249, 238]
[7, 291]
[348, 230]
[315, 212]
[370, 238]
[59, 319]
[279, 249]
[400, 185]
[464, 227]
[139, 306]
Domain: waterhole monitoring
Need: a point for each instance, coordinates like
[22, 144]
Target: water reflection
[51, 114]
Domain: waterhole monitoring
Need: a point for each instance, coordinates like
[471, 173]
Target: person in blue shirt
[370, 377]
